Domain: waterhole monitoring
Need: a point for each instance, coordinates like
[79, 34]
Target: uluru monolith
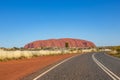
[60, 43]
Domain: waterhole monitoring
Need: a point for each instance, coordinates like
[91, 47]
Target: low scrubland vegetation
[115, 51]
[8, 55]
[20, 53]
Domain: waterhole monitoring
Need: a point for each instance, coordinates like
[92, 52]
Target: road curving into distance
[89, 66]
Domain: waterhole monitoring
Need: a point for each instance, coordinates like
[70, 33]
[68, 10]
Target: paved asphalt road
[90, 66]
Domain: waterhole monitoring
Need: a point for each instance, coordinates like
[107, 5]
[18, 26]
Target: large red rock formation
[60, 43]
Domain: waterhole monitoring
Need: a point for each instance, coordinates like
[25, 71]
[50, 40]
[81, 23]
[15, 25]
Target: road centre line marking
[105, 69]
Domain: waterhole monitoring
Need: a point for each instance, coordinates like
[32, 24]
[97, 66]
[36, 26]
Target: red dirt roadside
[16, 69]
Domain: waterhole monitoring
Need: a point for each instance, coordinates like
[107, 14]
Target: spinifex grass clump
[8, 55]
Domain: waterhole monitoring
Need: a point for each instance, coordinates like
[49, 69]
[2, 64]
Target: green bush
[66, 45]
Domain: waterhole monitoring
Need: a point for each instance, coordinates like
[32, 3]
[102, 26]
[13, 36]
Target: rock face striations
[60, 43]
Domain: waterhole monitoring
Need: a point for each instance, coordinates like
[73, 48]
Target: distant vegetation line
[19, 53]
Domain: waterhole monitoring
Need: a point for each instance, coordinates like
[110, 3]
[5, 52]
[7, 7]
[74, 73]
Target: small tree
[66, 45]
[15, 48]
[118, 50]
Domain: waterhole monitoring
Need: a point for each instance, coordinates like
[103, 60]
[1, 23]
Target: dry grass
[8, 55]
[115, 54]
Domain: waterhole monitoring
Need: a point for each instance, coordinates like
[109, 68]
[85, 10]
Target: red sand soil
[16, 69]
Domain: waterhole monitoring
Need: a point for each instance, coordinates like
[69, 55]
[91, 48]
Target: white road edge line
[53, 67]
[105, 69]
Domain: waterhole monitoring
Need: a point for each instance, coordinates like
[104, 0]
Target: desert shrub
[118, 51]
[66, 45]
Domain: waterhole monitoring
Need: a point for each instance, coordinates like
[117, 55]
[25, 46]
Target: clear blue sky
[23, 21]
